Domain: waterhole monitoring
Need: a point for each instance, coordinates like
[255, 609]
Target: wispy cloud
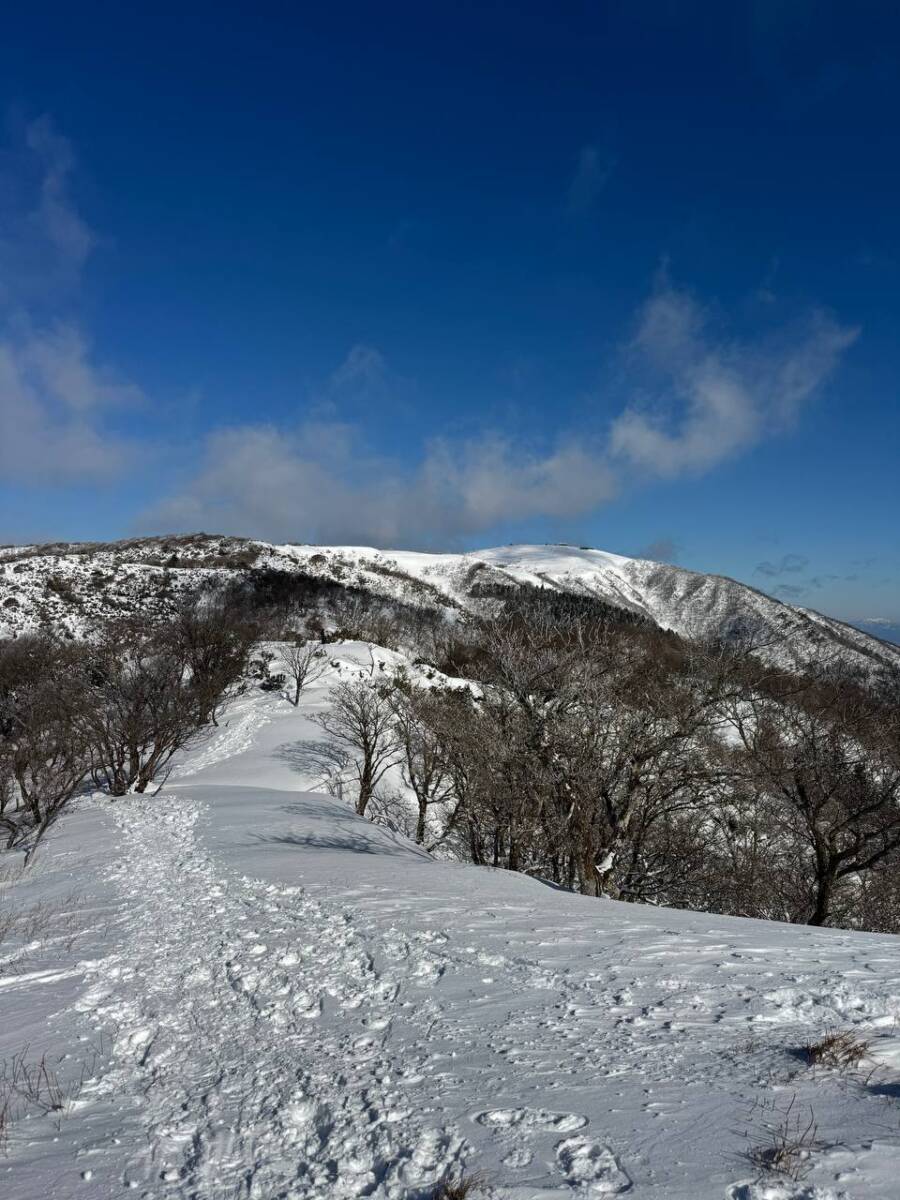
[54, 396]
[44, 242]
[321, 482]
[790, 591]
[592, 173]
[663, 549]
[55, 215]
[786, 565]
[364, 368]
[719, 397]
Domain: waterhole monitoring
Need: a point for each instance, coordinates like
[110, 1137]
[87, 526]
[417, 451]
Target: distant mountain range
[71, 586]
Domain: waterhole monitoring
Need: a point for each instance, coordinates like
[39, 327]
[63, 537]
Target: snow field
[277, 1000]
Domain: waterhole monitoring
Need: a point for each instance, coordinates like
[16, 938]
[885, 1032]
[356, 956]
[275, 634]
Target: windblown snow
[240, 989]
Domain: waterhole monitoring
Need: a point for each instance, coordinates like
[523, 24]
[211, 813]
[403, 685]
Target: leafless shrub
[786, 1142]
[390, 808]
[153, 690]
[302, 664]
[578, 755]
[43, 930]
[36, 1083]
[142, 708]
[33, 1087]
[358, 618]
[459, 1187]
[837, 1049]
[214, 636]
[8, 918]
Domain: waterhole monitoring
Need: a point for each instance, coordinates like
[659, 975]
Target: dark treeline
[111, 710]
[624, 762]
[579, 744]
[619, 760]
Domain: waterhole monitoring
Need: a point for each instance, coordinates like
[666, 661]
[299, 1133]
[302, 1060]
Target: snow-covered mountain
[71, 585]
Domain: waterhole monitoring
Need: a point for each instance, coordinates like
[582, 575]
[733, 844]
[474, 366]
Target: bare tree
[142, 708]
[425, 766]
[155, 688]
[360, 719]
[302, 663]
[455, 723]
[829, 762]
[43, 758]
[587, 756]
[214, 637]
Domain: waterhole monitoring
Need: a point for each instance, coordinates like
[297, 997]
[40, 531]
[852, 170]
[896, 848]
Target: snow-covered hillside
[240, 989]
[68, 587]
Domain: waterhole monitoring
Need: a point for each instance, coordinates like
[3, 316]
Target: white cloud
[319, 483]
[53, 400]
[721, 397]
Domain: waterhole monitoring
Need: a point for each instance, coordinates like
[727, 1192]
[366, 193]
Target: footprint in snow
[533, 1118]
[307, 1006]
[776, 1190]
[427, 971]
[518, 1158]
[592, 1166]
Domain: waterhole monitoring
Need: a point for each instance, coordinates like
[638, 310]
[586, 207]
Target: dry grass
[787, 1142]
[46, 929]
[459, 1188]
[838, 1050]
[32, 1088]
[36, 1084]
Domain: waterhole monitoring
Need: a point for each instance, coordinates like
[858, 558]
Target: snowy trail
[290, 1003]
[252, 1028]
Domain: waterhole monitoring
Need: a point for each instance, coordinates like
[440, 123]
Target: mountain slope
[69, 586]
[245, 990]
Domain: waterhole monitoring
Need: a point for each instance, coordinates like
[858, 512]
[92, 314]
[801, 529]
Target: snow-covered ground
[243, 990]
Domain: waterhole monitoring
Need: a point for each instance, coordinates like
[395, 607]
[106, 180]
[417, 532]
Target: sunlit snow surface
[272, 998]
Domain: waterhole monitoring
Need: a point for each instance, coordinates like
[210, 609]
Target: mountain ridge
[70, 585]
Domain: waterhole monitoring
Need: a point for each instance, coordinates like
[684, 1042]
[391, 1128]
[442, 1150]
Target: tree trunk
[420, 824]
[824, 891]
[365, 792]
[588, 879]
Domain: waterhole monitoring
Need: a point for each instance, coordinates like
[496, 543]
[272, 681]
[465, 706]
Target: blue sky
[623, 274]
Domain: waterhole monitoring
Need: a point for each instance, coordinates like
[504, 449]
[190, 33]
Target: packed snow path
[276, 1000]
[241, 1083]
